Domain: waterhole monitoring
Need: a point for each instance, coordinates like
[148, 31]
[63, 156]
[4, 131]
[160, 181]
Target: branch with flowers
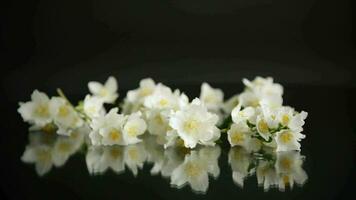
[252, 119]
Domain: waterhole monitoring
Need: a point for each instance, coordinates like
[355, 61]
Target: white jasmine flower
[108, 129]
[36, 111]
[195, 125]
[93, 106]
[261, 90]
[292, 119]
[195, 169]
[134, 127]
[64, 116]
[289, 169]
[212, 98]
[107, 92]
[147, 87]
[243, 115]
[158, 122]
[288, 140]
[114, 128]
[262, 128]
[162, 98]
[135, 98]
[240, 135]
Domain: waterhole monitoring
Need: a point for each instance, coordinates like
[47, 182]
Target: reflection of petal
[239, 160]
[93, 160]
[196, 167]
[135, 156]
[289, 169]
[48, 149]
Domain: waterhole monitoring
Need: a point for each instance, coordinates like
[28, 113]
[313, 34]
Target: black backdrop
[179, 41]
[60, 43]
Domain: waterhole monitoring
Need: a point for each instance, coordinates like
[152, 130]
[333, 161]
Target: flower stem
[61, 94]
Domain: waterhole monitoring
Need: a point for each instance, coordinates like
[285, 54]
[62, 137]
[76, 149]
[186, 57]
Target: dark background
[307, 45]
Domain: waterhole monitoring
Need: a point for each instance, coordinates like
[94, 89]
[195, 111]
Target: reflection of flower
[106, 92]
[196, 167]
[46, 150]
[100, 158]
[195, 125]
[240, 161]
[183, 165]
[289, 169]
[273, 169]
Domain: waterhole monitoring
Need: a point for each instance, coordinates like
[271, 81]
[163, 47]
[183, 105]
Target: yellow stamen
[190, 126]
[42, 110]
[63, 111]
[132, 131]
[262, 126]
[163, 102]
[115, 135]
[285, 119]
[286, 137]
[237, 137]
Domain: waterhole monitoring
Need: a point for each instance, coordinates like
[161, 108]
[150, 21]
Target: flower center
[163, 102]
[42, 110]
[191, 125]
[262, 126]
[103, 92]
[286, 137]
[132, 131]
[237, 138]
[63, 111]
[115, 135]
[159, 120]
[285, 119]
[145, 91]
